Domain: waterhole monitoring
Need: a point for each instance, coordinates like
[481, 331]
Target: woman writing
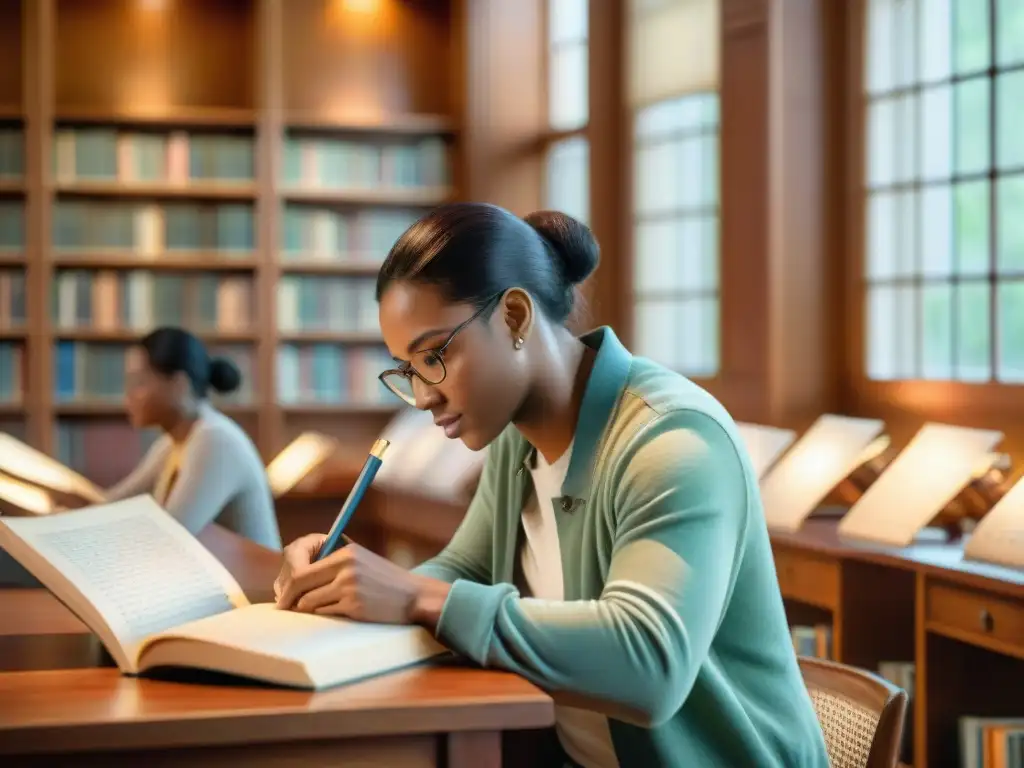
[615, 552]
[203, 468]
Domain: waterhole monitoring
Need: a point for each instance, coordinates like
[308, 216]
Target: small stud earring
[518, 344]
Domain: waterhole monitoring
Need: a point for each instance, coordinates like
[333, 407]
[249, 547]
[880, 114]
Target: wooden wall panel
[375, 58]
[200, 54]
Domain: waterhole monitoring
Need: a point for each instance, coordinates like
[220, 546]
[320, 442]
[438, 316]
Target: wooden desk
[961, 623]
[58, 696]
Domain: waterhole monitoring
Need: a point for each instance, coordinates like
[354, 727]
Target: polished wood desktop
[61, 695]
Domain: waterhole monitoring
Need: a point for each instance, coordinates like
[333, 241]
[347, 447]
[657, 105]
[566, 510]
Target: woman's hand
[355, 583]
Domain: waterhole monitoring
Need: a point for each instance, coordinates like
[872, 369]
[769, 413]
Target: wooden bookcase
[237, 167]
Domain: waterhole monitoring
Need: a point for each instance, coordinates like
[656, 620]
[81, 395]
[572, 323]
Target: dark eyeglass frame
[407, 370]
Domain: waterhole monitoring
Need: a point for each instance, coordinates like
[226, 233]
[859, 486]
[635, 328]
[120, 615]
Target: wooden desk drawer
[809, 578]
[976, 617]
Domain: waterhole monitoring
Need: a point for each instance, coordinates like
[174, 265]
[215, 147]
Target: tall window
[568, 154]
[673, 84]
[944, 245]
[676, 233]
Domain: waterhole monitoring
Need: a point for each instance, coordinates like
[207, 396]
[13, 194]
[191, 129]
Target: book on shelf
[298, 461]
[138, 300]
[12, 227]
[991, 742]
[25, 463]
[12, 371]
[332, 303]
[95, 371]
[317, 235]
[813, 641]
[332, 374]
[156, 598]
[177, 157]
[13, 310]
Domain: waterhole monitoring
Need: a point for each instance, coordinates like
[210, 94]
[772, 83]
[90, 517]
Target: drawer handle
[988, 621]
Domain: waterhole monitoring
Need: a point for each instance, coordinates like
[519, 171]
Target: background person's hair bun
[571, 241]
[224, 375]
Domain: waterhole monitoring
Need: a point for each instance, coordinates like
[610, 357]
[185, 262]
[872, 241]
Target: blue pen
[334, 539]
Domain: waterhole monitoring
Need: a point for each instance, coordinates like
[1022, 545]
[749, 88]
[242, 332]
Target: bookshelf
[220, 165]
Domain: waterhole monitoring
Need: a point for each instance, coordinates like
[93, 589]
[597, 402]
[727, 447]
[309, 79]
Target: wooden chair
[861, 715]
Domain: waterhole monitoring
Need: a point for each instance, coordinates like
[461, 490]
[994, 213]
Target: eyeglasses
[428, 364]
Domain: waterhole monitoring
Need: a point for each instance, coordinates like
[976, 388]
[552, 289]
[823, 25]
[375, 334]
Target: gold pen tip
[379, 447]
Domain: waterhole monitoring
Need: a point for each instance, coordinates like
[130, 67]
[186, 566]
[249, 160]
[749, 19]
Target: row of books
[12, 153]
[95, 372]
[329, 304]
[991, 742]
[311, 233]
[178, 157]
[813, 641]
[330, 163]
[85, 446]
[331, 375]
[12, 372]
[12, 299]
[139, 300]
[149, 229]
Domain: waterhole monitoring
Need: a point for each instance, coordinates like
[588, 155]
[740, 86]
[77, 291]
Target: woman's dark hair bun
[224, 375]
[571, 241]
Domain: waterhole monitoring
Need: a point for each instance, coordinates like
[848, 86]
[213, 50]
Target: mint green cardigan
[672, 624]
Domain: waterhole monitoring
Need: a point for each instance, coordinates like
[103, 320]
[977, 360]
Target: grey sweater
[220, 478]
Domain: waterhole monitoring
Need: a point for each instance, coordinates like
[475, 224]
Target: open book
[156, 597]
[23, 462]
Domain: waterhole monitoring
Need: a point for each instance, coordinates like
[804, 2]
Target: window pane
[710, 255]
[906, 138]
[905, 57]
[568, 178]
[1010, 31]
[881, 259]
[973, 52]
[906, 234]
[659, 181]
[658, 332]
[686, 114]
[658, 257]
[974, 361]
[881, 137]
[1010, 120]
[890, 332]
[1010, 207]
[567, 90]
[1010, 328]
[936, 228]
[936, 38]
[710, 168]
[567, 20]
[692, 176]
[699, 321]
[972, 126]
[972, 228]
[936, 135]
[878, 58]
[699, 273]
[937, 331]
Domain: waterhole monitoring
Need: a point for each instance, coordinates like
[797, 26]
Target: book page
[289, 647]
[300, 457]
[831, 449]
[765, 444]
[136, 566]
[999, 537]
[920, 481]
[26, 463]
